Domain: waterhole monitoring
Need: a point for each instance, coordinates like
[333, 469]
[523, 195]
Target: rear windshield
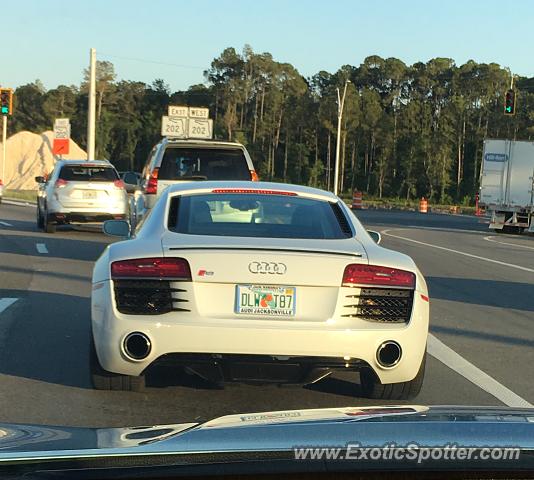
[257, 215]
[81, 173]
[204, 164]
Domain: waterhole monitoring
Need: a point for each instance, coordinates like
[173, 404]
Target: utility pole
[91, 106]
[4, 141]
[340, 104]
[6, 108]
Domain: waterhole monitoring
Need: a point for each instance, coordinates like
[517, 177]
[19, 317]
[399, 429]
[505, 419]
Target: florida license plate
[88, 195]
[265, 300]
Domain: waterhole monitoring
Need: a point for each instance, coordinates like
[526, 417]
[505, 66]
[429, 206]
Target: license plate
[88, 194]
[265, 300]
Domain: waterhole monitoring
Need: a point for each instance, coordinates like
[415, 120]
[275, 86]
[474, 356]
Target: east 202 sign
[187, 122]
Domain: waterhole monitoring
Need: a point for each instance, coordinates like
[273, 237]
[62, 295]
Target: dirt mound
[29, 155]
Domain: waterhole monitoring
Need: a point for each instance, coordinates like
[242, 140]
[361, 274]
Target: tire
[104, 380]
[512, 230]
[40, 221]
[48, 226]
[372, 388]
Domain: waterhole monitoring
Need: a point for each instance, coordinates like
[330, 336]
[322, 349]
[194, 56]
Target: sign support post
[6, 108]
[4, 141]
[91, 110]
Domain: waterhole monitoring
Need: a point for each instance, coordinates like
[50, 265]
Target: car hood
[280, 430]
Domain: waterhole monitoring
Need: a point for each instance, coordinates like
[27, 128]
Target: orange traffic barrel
[478, 211]
[423, 205]
[357, 200]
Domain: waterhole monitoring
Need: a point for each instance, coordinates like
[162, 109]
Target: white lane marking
[490, 239]
[6, 302]
[441, 229]
[466, 369]
[41, 248]
[490, 260]
[6, 224]
[449, 230]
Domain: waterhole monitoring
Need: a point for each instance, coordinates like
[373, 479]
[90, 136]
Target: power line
[155, 62]
[475, 76]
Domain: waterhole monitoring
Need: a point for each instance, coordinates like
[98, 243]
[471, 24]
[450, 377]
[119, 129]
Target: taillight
[152, 184]
[176, 268]
[60, 183]
[357, 274]
[254, 176]
[1, 184]
[119, 184]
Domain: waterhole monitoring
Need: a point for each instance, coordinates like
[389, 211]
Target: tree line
[407, 130]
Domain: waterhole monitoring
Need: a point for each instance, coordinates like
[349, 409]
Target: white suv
[174, 161]
[79, 191]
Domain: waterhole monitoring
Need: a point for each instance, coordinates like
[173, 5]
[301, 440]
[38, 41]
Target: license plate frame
[254, 305]
[89, 195]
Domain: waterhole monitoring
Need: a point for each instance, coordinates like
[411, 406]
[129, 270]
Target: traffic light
[6, 101]
[509, 103]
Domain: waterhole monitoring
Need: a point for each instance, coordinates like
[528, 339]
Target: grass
[28, 195]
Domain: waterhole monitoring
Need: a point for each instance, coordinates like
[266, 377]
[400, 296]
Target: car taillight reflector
[119, 184]
[60, 183]
[152, 184]
[177, 268]
[254, 176]
[253, 190]
[357, 274]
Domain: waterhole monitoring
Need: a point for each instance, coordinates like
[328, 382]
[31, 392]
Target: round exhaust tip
[389, 354]
[137, 345]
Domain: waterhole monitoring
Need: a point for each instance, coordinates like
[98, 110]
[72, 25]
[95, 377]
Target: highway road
[480, 348]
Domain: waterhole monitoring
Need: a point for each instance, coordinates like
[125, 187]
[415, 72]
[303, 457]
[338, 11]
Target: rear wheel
[48, 226]
[512, 230]
[40, 221]
[104, 380]
[373, 388]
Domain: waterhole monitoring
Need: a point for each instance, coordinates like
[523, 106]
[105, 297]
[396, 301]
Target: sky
[176, 40]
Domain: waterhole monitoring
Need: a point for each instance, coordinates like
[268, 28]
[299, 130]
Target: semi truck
[506, 185]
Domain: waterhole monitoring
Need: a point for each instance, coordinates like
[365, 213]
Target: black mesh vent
[381, 305]
[148, 297]
[342, 219]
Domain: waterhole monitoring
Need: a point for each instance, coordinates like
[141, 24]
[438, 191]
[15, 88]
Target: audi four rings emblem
[272, 268]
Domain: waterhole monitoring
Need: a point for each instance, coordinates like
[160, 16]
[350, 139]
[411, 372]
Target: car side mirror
[377, 238]
[117, 228]
[130, 188]
[40, 179]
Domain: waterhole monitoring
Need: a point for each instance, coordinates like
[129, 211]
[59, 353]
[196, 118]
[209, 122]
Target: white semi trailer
[506, 185]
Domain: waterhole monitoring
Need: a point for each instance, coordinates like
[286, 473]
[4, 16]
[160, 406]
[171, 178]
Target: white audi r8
[257, 282]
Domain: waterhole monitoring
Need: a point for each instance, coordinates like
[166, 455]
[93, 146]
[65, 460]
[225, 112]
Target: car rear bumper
[172, 341]
[255, 368]
[85, 217]
[115, 206]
